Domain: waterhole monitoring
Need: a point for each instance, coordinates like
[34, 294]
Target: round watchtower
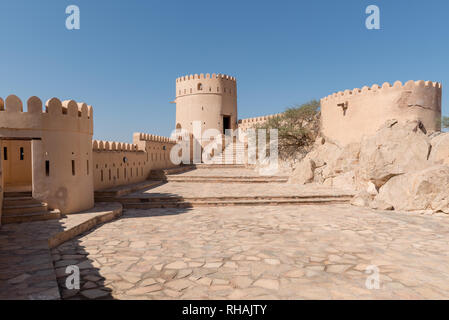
[210, 99]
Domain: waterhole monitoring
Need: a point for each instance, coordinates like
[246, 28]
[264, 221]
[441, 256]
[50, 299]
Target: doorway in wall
[16, 162]
[226, 123]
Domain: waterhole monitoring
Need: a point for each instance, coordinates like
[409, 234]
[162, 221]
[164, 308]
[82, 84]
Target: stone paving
[300, 252]
[26, 264]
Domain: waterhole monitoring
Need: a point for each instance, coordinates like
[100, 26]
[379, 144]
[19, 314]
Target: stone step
[192, 204]
[29, 217]
[172, 199]
[12, 201]
[17, 194]
[126, 189]
[220, 165]
[21, 209]
[221, 179]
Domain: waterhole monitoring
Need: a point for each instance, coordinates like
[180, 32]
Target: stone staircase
[22, 207]
[224, 179]
[233, 153]
[180, 202]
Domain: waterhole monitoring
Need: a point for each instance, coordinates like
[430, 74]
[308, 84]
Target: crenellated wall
[60, 138]
[117, 163]
[208, 99]
[245, 124]
[350, 114]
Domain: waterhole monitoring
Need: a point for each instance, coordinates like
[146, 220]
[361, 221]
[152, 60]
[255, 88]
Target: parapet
[100, 145]
[138, 136]
[57, 116]
[206, 77]
[258, 119]
[206, 84]
[386, 88]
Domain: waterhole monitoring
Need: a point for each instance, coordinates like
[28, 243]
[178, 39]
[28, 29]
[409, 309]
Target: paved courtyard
[280, 252]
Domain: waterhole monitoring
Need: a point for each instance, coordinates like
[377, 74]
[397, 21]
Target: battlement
[58, 116]
[259, 119]
[151, 137]
[206, 77]
[220, 84]
[386, 88]
[100, 145]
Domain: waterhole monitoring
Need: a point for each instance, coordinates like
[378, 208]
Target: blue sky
[125, 58]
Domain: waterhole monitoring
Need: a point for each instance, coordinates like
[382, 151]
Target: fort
[50, 152]
[221, 212]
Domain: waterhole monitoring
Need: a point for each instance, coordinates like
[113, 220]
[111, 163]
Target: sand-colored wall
[146, 153]
[206, 98]
[245, 124]
[59, 134]
[370, 107]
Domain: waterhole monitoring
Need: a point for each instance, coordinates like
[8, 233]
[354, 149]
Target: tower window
[47, 168]
[22, 155]
[87, 166]
[73, 167]
[200, 87]
[5, 153]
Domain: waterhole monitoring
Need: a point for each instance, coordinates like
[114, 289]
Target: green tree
[445, 122]
[297, 127]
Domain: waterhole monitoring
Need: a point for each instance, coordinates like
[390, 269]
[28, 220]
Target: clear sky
[127, 54]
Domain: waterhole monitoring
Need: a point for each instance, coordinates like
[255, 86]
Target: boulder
[345, 159]
[303, 173]
[440, 149]
[344, 181]
[394, 150]
[426, 189]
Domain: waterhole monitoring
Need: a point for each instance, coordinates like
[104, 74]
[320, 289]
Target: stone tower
[210, 99]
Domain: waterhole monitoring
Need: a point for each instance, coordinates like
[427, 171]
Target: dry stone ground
[280, 252]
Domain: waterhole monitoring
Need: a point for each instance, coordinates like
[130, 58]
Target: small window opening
[22, 154]
[47, 168]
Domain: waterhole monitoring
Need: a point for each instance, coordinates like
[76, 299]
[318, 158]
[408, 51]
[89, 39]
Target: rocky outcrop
[401, 167]
[395, 149]
[303, 173]
[440, 149]
[426, 189]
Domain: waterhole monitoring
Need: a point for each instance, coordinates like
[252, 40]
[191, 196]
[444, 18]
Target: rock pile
[401, 167]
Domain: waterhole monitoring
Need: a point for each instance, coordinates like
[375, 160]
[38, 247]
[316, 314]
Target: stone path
[304, 252]
[26, 264]
[189, 190]
[224, 172]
